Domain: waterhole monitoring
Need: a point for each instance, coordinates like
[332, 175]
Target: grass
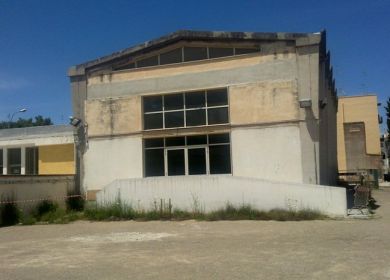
[49, 213]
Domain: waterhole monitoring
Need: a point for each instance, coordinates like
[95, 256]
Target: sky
[40, 40]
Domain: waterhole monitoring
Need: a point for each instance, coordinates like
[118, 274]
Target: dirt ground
[332, 249]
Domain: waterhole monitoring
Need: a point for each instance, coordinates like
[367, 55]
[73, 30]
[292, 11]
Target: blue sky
[40, 40]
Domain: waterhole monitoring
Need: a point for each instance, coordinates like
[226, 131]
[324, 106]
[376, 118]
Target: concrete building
[385, 152]
[358, 135]
[44, 150]
[255, 105]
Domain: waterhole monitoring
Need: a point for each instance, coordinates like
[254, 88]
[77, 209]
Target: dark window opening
[196, 117]
[153, 121]
[152, 103]
[195, 99]
[14, 161]
[32, 161]
[175, 141]
[220, 52]
[219, 138]
[217, 97]
[197, 140]
[154, 143]
[220, 159]
[174, 119]
[176, 162]
[173, 102]
[218, 115]
[197, 161]
[150, 61]
[174, 56]
[194, 53]
[154, 162]
[246, 50]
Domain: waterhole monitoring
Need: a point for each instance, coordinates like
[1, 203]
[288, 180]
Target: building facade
[46, 150]
[257, 105]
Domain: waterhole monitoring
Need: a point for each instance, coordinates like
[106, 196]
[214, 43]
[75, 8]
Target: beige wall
[358, 109]
[263, 102]
[56, 159]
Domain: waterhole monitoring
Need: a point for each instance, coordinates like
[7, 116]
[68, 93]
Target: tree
[388, 115]
[38, 121]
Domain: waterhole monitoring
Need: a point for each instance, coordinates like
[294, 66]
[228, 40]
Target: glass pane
[32, 161]
[154, 142]
[219, 138]
[154, 162]
[196, 161]
[197, 140]
[176, 162]
[220, 52]
[14, 161]
[196, 117]
[173, 102]
[152, 103]
[191, 53]
[195, 99]
[219, 159]
[218, 115]
[174, 119]
[174, 56]
[217, 97]
[246, 50]
[150, 61]
[127, 66]
[175, 141]
[153, 121]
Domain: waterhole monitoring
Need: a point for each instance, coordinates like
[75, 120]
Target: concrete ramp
[209, 193]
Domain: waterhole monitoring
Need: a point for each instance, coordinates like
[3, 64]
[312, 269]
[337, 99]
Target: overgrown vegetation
[9, 212]
[74, 202]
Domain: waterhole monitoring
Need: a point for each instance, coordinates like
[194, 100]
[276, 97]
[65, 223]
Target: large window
[14, 161]
[187, 155]
[32, 161]
[186, 54]
[206, 107]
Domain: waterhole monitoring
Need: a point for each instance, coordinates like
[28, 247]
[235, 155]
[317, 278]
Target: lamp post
[10, 117]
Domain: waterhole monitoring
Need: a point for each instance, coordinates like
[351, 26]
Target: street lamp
[10, 117]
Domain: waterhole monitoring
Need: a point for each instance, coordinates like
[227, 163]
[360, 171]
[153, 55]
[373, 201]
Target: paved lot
[346, 249]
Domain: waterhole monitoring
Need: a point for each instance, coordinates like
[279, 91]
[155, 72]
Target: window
[187, 155]
[14, 161]
[1, 162]
[207, 107]
[32, 161]
[185, 54]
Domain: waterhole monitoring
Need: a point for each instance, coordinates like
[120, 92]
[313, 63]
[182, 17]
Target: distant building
[358, 136]
[385, 151]
[256, 105]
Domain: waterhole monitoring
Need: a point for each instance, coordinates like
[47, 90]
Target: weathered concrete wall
[194, 75]
[209, 193]
[356, 109]
[30, 190]
[56, 159]
[271, 153]
[114, 116]
[110, 159]
[263, 102]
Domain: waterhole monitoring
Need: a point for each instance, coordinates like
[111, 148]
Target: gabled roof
[300, 38]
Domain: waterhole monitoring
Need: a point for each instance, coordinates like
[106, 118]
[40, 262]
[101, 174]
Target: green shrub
[9, 213]
[74, 202]
[44, 207]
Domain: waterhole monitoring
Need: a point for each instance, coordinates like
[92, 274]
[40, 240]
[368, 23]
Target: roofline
[301, 39]
[354, 96]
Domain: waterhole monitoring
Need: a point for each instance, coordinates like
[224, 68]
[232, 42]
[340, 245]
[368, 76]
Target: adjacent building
[256, 105]
[44, 150]
[358, 135]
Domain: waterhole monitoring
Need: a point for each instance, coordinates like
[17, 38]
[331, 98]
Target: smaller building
[43, 150]
[385, 149]
[358, 136]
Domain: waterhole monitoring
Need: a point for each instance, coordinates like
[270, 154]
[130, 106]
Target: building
[358, 135]
[385, 152]
[37, 163]
[43, 150]
[255, 105]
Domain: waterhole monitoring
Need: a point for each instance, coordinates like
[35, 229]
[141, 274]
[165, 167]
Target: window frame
[185, 110]
[186, 147]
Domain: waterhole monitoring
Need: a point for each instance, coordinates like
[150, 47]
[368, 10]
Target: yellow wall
[56, 159]
[358, 109]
